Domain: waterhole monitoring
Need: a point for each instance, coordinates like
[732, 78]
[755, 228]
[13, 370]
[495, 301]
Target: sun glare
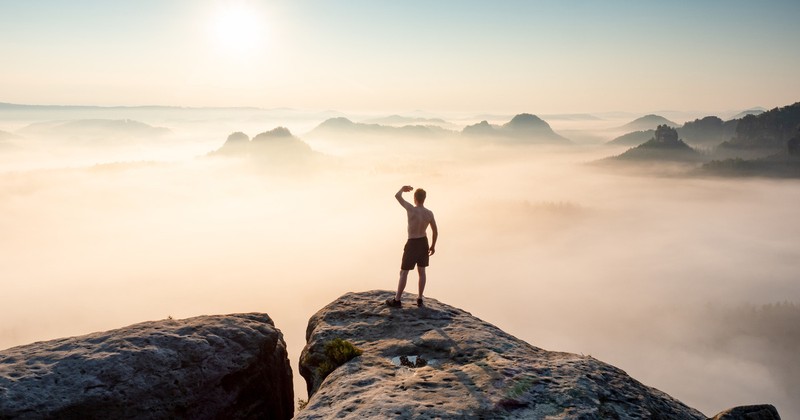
[238, 30]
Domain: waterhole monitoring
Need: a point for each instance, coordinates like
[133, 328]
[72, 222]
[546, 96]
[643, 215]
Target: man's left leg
[422, 279]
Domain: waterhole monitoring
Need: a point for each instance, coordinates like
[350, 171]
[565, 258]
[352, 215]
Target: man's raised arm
[399, 197]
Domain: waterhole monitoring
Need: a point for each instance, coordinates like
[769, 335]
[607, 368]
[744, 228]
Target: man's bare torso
[418, 220]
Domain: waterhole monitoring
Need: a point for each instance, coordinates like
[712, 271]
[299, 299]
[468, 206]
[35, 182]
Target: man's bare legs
[401, 285]
[422, 278]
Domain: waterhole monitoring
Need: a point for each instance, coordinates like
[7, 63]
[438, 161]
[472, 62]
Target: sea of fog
[654, 274]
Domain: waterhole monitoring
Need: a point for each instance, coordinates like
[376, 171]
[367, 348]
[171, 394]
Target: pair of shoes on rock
[393, 303]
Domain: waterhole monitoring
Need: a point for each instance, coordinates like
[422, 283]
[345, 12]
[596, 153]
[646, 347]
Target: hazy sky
[509, 56]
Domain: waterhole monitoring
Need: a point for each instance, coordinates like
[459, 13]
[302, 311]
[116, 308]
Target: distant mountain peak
[664, 146]
[525, 119]
[756, 110]
[648, 122]
[276, 144]
[666, 137]
[523, 127]
[237, 138]
[277, 132]
[768, 130]
[337, 122]
[93, 128]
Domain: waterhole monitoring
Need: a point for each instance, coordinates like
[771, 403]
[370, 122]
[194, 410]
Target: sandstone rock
[749, 412]
[472, 370]
[232, 366]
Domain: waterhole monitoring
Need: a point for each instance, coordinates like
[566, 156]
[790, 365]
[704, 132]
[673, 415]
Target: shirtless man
[416, 251]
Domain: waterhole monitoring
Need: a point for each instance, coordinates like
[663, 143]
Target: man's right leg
[422, 278]
[401, 285]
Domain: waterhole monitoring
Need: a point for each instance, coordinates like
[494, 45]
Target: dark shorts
[415, 253]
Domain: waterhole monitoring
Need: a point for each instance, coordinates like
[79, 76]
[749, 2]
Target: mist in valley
[687, 283]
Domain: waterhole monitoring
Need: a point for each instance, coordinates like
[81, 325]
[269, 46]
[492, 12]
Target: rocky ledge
[438, 361]
[231, 366]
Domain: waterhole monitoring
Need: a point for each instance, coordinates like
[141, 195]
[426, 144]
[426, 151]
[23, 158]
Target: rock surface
[749, 412]
[231, 366]
[473, 370]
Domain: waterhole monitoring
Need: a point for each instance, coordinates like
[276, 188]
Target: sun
[238, 29]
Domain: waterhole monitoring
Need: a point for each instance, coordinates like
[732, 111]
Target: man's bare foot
[419, 302]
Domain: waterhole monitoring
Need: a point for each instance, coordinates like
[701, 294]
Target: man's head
[419, 196]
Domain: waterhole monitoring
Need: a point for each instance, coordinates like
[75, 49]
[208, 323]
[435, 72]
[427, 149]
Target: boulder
[438, 361]
[749, 412]
[226, 366]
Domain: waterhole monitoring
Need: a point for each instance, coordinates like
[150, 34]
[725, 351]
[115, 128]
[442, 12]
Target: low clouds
[564, 255]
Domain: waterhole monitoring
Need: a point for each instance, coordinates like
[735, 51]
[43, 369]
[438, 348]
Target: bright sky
[376, 55]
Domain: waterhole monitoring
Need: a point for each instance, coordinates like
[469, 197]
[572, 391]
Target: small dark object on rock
[420, 362]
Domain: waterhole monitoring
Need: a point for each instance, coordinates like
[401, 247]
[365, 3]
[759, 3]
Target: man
[416, 251]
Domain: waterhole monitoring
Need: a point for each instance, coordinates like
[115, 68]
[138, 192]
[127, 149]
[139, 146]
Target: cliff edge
[438, 361]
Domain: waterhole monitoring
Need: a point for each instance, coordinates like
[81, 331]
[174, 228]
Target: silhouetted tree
[666, 135]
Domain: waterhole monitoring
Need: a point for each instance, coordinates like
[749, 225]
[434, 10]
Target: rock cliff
[232, 366]
[438, 361]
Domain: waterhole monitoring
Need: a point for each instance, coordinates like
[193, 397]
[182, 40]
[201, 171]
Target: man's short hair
[419, 195]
